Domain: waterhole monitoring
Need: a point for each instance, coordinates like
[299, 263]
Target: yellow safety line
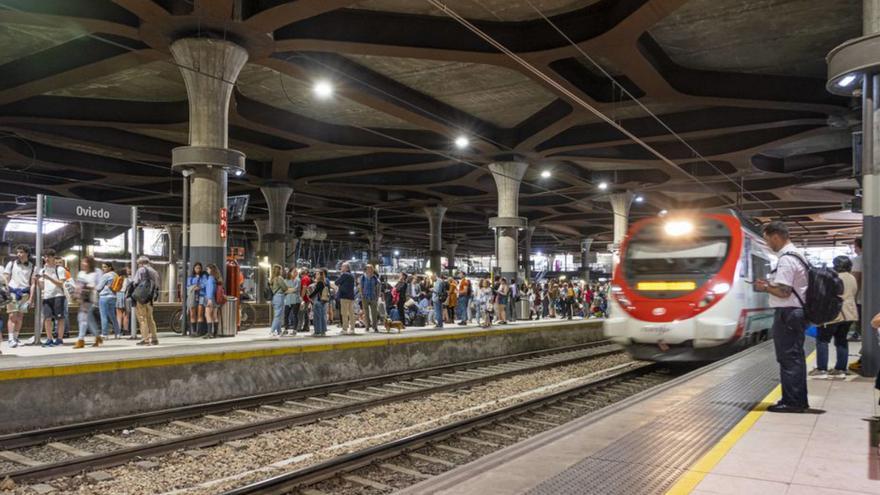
[695, 474]
[122, 364]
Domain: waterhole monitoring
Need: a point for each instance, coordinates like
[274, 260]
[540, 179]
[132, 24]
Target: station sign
[79, 210]
[224, 222]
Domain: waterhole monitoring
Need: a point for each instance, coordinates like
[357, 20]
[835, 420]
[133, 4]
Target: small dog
[389, 324]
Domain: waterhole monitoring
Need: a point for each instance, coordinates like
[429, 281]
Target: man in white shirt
[52, 279]
[787, 290]
[19, 275]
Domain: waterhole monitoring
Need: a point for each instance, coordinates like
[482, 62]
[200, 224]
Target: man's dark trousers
[789, 327]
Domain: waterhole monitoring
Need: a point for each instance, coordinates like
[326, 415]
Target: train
[682, 290]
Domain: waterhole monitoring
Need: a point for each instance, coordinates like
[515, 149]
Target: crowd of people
[301, 297]
[105, 296]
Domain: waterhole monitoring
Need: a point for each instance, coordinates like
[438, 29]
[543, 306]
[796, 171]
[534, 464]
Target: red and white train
[683, 291]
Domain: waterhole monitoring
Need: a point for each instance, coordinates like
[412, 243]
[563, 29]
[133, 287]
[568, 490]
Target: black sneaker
[785, 408]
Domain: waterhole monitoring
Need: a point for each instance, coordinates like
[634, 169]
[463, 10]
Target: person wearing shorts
[19, 275]
[52, 278]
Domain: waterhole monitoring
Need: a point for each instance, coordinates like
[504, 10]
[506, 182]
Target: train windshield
[667, 258]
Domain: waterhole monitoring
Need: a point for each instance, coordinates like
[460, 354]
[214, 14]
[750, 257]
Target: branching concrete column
[451, 248]
[527, 252]
[620, 203]
[375, 247]
[209, 68]
[262, 225]
[274, 239]
[435, 219]
[585, 257]
[171, 276]
[508, 176]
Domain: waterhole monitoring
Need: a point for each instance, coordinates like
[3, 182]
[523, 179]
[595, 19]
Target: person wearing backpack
[438, 299]
[144, 290]
[839, 327]
[215, 298]
[20, 286]
[107, 289]
[787, 289]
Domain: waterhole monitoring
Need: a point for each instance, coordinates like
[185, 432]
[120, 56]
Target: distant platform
[63, 384]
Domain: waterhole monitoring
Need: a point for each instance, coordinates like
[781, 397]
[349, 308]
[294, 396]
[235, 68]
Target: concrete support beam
[209, 68]
[174, 255]
[508, 176]
[527, 252]
[375, 247]
[451, 248]
[275, 237]
[435, 220]
[585, 257]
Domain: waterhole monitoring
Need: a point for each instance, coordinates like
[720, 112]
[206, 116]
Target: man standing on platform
[370, 296]
[345, 292]
[464, 298]
[787, 289]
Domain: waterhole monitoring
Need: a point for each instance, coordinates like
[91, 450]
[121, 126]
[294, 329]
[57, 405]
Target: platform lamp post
[854, 70]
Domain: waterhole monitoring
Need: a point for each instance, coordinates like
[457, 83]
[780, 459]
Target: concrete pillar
[209, 69]
[451, 248]
[3, 222]
[375, 248]
[527, 252]
[262, 225]
[275, 237]
[508, 176]
[585, 257]
[435, 220]
[620, 203]
[171, 280]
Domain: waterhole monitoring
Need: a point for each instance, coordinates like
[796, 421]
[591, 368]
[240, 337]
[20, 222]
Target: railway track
[404, 462]
[60, 451]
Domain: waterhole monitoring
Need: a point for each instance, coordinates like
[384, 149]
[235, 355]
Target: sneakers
[838, 374]
[817, 373]
[49, 343]
[59, 342]
[13, 343]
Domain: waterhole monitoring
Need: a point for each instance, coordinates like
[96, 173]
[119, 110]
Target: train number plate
[656, 329]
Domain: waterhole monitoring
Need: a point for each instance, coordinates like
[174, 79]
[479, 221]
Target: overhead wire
[573, 97]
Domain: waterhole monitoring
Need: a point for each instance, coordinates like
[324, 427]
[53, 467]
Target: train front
[674, 292]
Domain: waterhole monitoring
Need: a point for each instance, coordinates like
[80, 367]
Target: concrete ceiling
[91, 105]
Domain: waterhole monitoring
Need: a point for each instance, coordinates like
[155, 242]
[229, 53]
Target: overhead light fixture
[603, 185]
[847, 80]
[546, 174]
[396, 253]
[462, 142]
[323, 89]
[350, 232]
[639, 199]
[238, 172]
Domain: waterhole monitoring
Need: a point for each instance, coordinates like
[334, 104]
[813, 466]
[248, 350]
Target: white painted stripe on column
[871, 195]
[205, 235]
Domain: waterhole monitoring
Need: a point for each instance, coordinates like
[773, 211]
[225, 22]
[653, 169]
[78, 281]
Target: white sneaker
[818, 374]
[13, 343]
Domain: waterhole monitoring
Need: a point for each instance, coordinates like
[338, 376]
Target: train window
[652, 256]
[760, 268]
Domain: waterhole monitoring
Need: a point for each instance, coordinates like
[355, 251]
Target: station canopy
[91, 105]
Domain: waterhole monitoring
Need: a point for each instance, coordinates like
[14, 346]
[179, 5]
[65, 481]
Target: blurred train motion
[682, 290]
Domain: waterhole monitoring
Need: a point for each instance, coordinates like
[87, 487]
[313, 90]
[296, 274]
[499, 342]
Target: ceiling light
[238, 172]
[323, 90]
[462, 142]
[350, 232]
[639, 199]
[847, 80]
[603, 185]
[546, 174]
[396, 253]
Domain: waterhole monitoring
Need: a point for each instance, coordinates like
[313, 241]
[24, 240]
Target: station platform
[706, 432]
[62, 385]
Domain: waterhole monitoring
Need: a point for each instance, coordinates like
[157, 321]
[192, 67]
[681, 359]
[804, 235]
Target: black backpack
[143, 291]
[824, 288]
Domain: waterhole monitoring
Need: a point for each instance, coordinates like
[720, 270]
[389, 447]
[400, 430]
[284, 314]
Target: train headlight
[721, 288]
[678, 228]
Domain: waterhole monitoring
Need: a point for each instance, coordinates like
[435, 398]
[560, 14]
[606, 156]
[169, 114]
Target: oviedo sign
[78, 210]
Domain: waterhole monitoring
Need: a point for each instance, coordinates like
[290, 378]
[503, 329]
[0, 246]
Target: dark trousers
[789, 326]
[826, 333]
[291, 316]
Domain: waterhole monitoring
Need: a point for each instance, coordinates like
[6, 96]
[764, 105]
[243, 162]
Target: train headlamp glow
[666, 286]
[721, 288]
[678, 228]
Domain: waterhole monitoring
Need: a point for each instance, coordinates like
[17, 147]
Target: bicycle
[248, 318]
